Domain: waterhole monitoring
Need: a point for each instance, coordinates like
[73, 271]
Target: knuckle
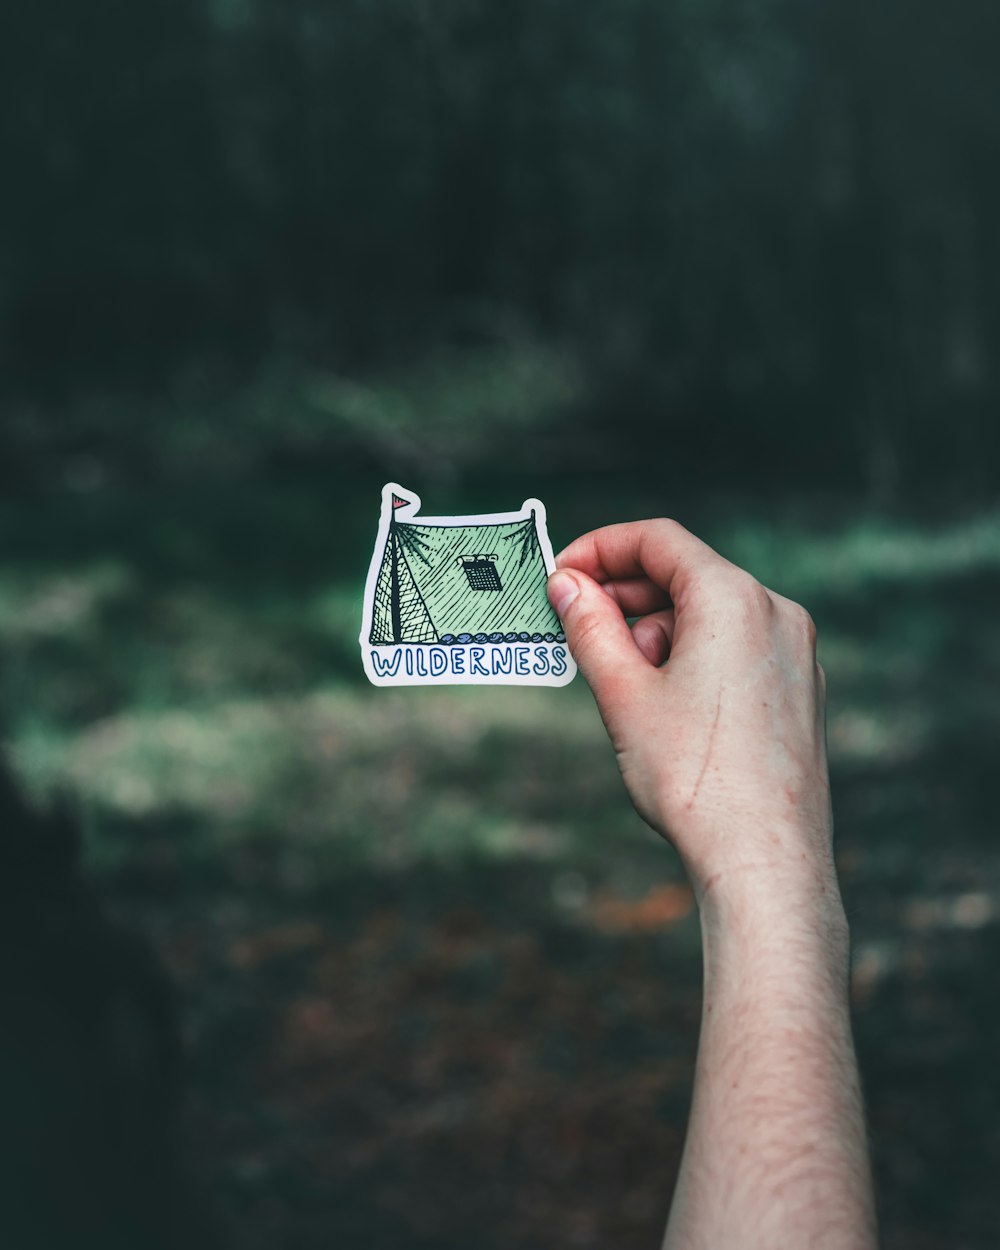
[668, 528]
[662, 532]
[796, 620]
[804, 623]
[751, 595]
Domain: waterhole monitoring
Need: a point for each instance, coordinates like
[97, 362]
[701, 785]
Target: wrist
[780, 920]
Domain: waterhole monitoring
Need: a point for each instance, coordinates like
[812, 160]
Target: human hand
[715, 705]
[713, 701]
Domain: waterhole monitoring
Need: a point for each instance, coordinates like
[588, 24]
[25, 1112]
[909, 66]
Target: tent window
[480, 572]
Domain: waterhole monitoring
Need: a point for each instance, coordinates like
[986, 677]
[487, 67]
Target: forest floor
[438, 985]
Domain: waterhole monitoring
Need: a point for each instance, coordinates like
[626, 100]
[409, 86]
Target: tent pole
[397, 623]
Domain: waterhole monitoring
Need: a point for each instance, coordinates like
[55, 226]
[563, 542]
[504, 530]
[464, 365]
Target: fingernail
[562, 590]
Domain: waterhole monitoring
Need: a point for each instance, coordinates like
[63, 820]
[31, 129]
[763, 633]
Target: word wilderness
[461, 599]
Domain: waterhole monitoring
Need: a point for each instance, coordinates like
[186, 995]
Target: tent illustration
[461, 580]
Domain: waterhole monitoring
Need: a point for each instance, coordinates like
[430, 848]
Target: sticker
[461, 599]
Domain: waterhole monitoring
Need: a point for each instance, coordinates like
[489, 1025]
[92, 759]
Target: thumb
[598, 635]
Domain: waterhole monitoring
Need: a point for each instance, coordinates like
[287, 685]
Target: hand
[713, 701]
[715, 705]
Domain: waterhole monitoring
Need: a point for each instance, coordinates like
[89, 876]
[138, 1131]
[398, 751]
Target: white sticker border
[486, 669]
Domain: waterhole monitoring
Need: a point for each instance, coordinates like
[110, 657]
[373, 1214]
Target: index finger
[662, 550]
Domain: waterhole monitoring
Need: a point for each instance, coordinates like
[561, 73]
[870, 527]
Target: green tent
[456, 584]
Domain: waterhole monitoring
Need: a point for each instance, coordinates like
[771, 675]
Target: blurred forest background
[291, 962]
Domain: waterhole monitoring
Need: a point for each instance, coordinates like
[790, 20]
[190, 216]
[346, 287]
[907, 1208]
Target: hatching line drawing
[436, 584]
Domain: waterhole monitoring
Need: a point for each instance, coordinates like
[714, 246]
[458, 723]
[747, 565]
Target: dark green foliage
[764, 226]
[438, 985]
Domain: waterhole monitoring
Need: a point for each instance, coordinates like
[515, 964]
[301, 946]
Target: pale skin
[715, 705]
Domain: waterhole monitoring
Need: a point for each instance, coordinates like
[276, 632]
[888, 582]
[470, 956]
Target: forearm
[776, 1154]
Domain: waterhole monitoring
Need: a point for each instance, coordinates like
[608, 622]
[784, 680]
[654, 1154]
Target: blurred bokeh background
[290, 962]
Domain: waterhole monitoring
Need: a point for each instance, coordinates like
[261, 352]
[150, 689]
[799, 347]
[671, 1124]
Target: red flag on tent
[399, 503]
